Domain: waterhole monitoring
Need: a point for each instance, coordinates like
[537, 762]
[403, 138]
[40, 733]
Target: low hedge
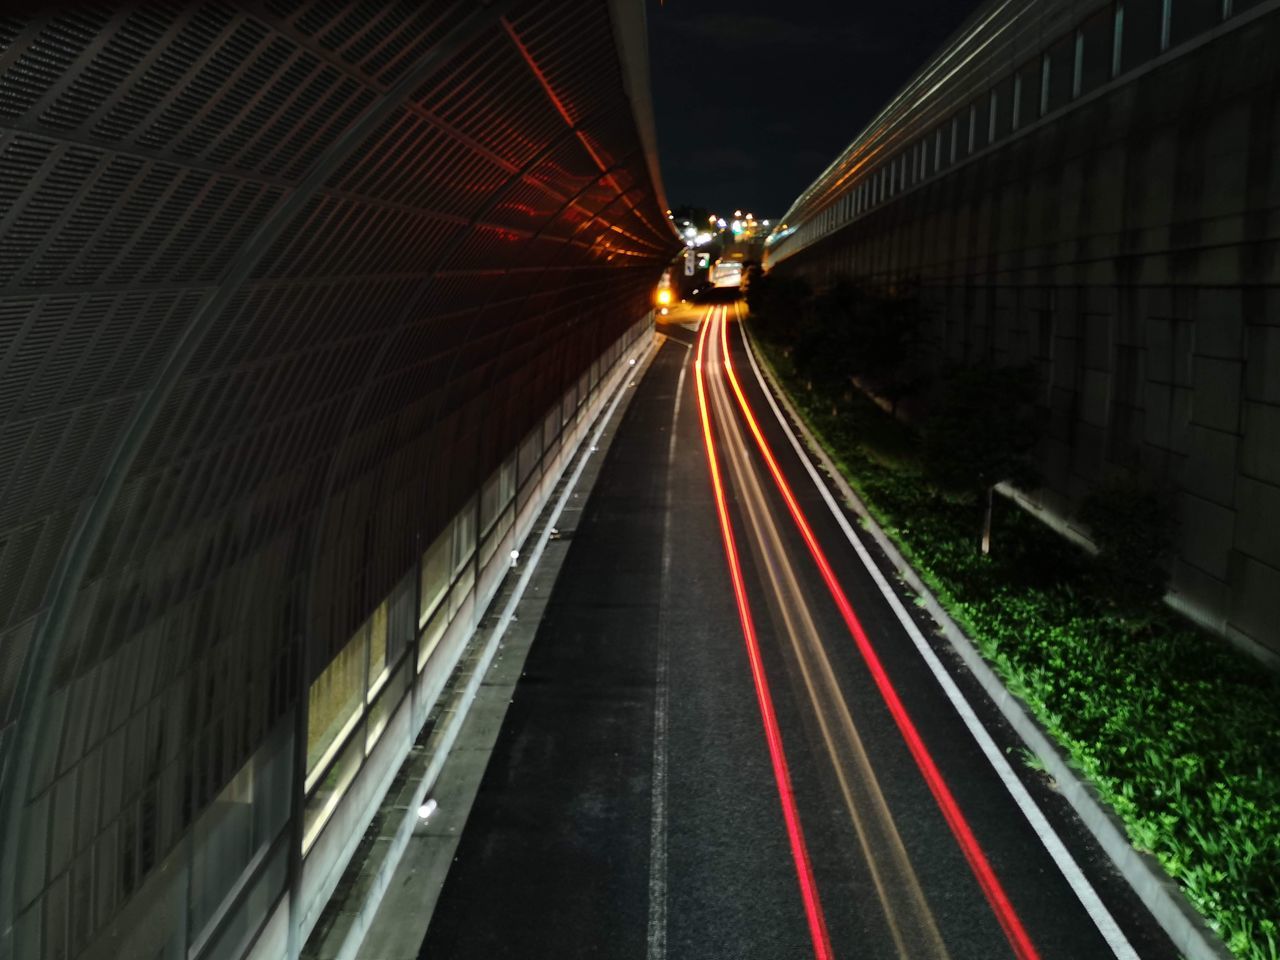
[1178, 732]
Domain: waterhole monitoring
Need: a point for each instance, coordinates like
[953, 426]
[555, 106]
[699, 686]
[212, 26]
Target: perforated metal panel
[279, 287]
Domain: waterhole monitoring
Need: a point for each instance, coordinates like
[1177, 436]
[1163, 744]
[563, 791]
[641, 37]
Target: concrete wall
[1129, 245]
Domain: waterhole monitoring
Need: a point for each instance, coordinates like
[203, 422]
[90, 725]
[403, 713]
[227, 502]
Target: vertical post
[1117, 39]
[986, 523]
[1077, 76]
[1045, 66]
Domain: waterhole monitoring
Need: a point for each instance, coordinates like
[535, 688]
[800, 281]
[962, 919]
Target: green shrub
[1132, 523]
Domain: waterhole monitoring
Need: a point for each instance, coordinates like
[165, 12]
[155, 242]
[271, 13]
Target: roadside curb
[1157, 891]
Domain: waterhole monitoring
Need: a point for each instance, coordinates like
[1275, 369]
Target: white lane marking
[1057, 850]
[656, 939]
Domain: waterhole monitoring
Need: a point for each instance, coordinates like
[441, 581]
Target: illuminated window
[551, 430]
[527, 460]
[464, 536]
[335, 699]
[434, 576]
[380, 709]
[493, 500]
[323, 797]
[378, 647]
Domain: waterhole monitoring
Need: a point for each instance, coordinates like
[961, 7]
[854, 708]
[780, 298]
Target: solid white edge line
[1079, 883]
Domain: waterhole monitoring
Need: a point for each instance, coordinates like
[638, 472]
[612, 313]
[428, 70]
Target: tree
[981, 432]
[858, 329]
[778, 305]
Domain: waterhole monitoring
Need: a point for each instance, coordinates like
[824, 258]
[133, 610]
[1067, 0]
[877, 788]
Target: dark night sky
[753, 98]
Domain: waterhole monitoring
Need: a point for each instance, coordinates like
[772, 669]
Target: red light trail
[773, 735]
[1008, 918]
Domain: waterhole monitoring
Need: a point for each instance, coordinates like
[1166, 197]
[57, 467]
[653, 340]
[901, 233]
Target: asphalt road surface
[727, 745]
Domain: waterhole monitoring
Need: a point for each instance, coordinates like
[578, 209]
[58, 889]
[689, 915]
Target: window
[1189, 18]
[1141, 28]
[1027, 93]
[979, 111]
[464, 535]
[530, 454]
[959, 129]
[242, 822]
[1059, 79]
[1094, 51]
[496, 495]
[551, 429]
[401, 618]
[1001, 118]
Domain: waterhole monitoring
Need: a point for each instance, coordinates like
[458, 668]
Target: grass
[1179, 733]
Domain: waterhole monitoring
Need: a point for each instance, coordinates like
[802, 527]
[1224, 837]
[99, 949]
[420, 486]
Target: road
[727, 742]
